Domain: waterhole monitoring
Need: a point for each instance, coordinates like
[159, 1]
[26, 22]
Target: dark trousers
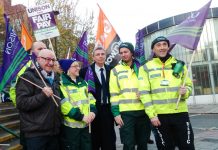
[75, 138]
[22, 140]
[42, 143]
[175, 130]
[135, 131]
[103, 133]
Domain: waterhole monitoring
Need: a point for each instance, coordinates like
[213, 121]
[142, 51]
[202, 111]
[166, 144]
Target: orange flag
[108, 38]
[26, 38]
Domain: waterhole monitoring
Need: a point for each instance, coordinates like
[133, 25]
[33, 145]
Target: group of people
[57, 111]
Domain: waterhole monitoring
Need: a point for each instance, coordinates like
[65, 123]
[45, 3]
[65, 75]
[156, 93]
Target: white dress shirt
[98, 73]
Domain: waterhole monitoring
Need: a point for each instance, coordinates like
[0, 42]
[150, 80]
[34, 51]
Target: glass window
[179, 18]
[215, 74]
[166, 23]
[201, 80]
[215, 12]
[153, 27]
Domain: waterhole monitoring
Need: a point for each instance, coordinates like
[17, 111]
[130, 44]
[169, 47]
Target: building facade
[17, 14]
[204, 69]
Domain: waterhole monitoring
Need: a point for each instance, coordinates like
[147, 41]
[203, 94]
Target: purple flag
[188, 33]
[90, 80]
[81, 52]
[14, 56]
[139, 47]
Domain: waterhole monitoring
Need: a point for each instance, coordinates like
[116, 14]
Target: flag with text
[139, 47]
[14, 56]
[187, 33]
[108, 38]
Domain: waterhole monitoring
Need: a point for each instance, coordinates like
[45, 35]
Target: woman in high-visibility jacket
[160, 84]
[77, 107]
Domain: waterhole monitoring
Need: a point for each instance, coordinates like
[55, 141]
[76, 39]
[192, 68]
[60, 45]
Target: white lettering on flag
[10, 42]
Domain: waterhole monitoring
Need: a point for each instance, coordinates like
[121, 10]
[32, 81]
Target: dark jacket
[39, 116]
[98, 85]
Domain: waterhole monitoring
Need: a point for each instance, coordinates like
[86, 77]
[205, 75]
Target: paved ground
[206, 138]
[201, 109]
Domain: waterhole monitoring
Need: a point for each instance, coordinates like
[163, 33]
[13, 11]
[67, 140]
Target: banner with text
[42, 20]
[108, 38]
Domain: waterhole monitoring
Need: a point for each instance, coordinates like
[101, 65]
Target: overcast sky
[127, 16]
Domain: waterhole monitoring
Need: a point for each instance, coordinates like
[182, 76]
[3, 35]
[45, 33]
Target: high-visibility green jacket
[123, 89]
[158, 98]
[76, 101]
[12, 91]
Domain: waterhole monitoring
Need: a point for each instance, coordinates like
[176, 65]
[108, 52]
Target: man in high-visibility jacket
[126, 106]
[160, 84]
[36, 47]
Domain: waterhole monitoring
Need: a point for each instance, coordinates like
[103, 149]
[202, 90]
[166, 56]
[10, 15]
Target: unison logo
[39, 8]
[10, 42]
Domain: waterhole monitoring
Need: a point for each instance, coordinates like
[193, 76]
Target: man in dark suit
[103, 133]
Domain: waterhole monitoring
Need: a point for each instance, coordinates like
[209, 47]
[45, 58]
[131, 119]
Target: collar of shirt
[97, 68]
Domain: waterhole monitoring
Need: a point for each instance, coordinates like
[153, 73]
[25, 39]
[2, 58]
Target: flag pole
[51, 44]
[68, 53]
[43, 82]
[189, 68]
[89, 113]
[36, 85]
[87, 94]
[52, 48]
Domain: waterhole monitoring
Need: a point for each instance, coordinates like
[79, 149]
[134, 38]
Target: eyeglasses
[47, 59]
[41, 48]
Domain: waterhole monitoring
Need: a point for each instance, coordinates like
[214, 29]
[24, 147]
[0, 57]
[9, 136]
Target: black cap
[159, 39]
[127, 45]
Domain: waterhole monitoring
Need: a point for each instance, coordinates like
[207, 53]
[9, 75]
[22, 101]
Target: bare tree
[71, 26]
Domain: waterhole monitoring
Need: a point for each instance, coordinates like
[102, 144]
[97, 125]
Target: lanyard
[163, 70]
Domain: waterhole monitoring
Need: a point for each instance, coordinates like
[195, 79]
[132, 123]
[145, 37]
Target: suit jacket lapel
[107, 69]
[95, 75]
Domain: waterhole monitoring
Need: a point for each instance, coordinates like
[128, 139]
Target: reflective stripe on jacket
[156, 97]
[124, 89]
[75, 97]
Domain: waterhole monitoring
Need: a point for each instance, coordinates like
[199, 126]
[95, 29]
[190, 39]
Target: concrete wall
[203, 99]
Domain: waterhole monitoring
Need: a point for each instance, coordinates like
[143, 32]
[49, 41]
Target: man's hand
[182, 90]
[47, 91]
[119, 120]
[155, 121]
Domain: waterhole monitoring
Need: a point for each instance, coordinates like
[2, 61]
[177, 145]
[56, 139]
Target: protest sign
[42, 20]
